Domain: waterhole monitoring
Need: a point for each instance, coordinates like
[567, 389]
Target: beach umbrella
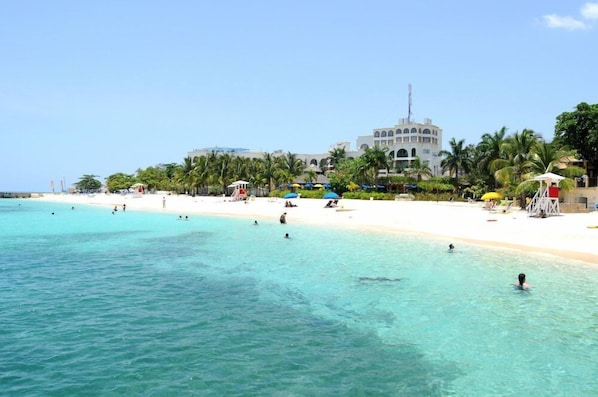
[491, 196]
[318, 185]
[290, 196]
[296, 185]
[331, 195]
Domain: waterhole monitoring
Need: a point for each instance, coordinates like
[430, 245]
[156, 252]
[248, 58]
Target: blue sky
[103, 87]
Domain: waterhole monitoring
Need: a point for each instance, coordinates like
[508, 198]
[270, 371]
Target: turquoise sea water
[144, 304]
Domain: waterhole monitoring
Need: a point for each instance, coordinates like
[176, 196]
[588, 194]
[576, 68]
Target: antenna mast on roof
[409, 109]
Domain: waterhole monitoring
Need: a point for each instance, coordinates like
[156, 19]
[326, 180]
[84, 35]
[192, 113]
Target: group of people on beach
[331, 204]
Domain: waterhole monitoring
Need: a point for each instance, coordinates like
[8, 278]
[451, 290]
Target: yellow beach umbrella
[492, 196]
[318, 185]
[296, 185]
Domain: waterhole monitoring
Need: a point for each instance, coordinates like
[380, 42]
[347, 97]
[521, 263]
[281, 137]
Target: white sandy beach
[568, 235]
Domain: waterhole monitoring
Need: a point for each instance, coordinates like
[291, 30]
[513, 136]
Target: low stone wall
[14, 195]
[572, 208]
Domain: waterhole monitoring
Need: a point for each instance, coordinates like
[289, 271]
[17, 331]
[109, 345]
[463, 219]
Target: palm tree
[269, 169]
[202, 173]
[337, 154]
[417, 169]
[487, 150]
[547, 157]
[457, 160]
[310, 176]
[223, 168]
[376, 158]
[187, 174]
[292, 164]
[514, 163]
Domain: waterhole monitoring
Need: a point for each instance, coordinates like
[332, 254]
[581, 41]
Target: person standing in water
[521, 284]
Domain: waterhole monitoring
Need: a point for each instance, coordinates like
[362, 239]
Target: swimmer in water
[521, 284]
[451, 248]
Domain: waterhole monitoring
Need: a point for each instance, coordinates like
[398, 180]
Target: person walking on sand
[163, 202]
[283, 218]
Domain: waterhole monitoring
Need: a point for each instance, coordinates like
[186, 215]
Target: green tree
[579, 131]
[186, 175]
[88, 183]
[375, 159]
[343, 176]
[154, 178]
[418, 169]
[336, 155]
[548, 157]
[514, 164]
[293, 165]
[119, 181]
[457, 160]
[310, 176]
[269, 169]
[488, 150]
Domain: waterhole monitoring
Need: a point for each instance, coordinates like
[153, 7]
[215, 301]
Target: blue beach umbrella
[331, 195]
[290, 195]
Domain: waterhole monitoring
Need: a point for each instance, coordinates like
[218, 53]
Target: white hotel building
[405, 141]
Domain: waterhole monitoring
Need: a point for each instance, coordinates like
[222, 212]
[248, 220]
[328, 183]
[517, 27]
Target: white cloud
[590, 11]
[569, 23]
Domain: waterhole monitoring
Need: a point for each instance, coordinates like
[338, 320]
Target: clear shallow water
[143, 304]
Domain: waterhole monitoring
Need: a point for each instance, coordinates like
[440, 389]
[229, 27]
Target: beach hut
[546, 199]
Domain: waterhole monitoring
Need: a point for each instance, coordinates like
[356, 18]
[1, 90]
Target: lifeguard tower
[546, 199]
[240, 190]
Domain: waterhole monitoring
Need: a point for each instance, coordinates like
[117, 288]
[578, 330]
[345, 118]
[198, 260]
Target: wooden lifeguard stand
[546, 199]
[240, 190]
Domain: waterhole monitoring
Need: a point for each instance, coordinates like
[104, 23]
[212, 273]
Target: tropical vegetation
[499, 161]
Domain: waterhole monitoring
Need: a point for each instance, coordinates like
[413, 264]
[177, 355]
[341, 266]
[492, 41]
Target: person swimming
[451, 248]
[521, 284]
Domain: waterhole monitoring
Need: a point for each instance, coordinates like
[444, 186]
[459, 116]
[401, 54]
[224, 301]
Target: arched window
[402, 153]
[390, 133]
[413, 153]
[383, 134]
[414, 130]
[364, 146]
[313, 162]
[406, 131]
[392, 154]
[426, 131]
[376, 134]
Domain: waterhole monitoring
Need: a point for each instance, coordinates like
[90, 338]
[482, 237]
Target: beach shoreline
[569, 236]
